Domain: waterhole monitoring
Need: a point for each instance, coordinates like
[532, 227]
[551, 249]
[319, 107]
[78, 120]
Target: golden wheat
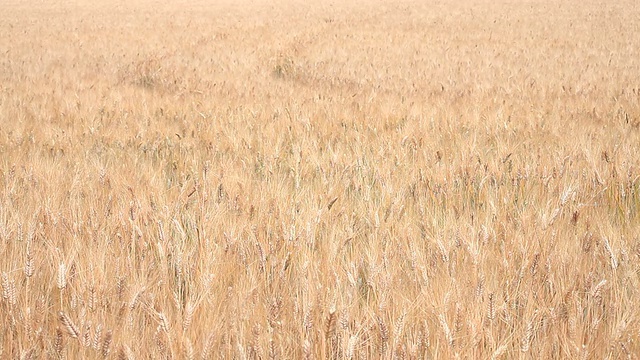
[284, 179]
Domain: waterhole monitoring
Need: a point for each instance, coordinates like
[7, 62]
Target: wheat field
[358, 179]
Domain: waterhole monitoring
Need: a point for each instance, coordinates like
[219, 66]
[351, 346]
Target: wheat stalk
[58, 344]
[106, 344]
[62, 276]
[69, 326]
